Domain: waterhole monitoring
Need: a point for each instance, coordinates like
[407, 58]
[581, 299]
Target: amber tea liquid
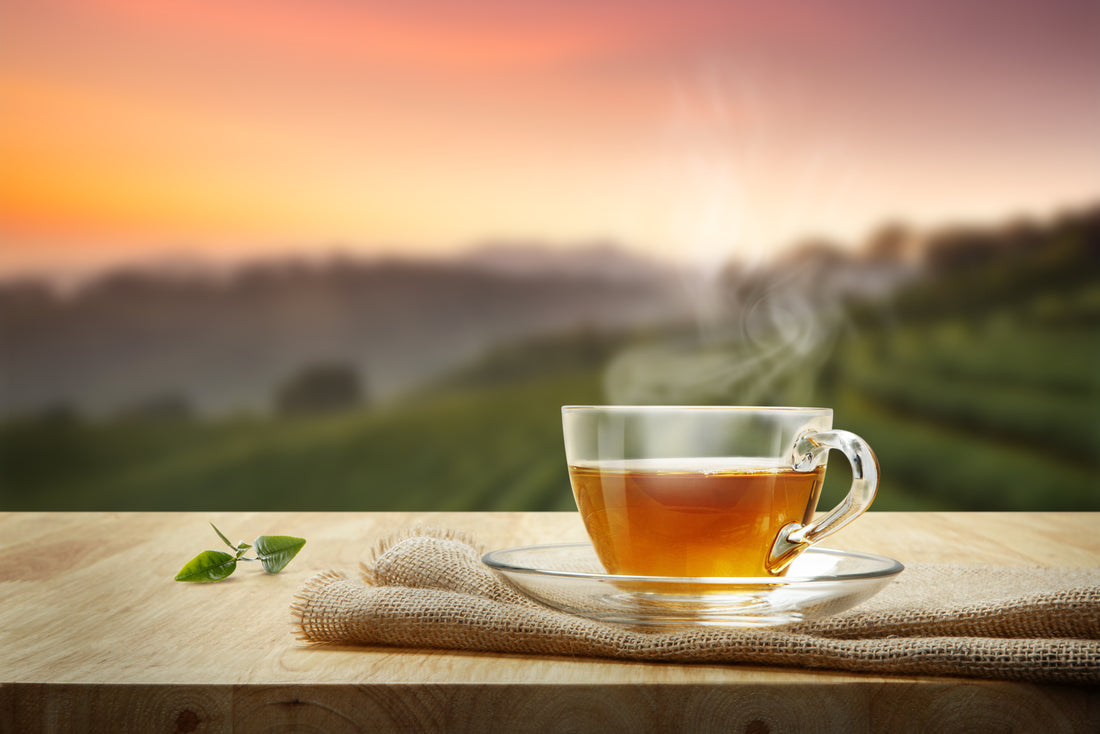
[716, 518]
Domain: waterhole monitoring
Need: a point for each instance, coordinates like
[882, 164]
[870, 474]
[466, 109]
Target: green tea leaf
[275, 551]
[222, 536]
[208, 566]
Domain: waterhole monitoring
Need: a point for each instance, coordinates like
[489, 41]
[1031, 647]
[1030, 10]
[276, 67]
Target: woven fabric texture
[428, 588]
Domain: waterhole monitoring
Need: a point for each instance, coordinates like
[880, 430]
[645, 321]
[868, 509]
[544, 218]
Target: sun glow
[232, 128]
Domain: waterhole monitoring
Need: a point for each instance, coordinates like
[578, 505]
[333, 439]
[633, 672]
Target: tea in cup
[708, 491]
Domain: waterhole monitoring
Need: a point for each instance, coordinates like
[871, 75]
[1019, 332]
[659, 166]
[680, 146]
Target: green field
[978, 387]
[974, 429]
[491, 448]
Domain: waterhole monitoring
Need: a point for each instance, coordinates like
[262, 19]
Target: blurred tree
[169, 406]
[891, 243]
[320, 388]
[962, 248]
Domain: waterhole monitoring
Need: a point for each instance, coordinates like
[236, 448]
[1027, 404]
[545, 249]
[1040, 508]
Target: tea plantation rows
[998, 411]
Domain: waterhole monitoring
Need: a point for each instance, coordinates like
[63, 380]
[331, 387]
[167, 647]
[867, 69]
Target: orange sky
[134, 130]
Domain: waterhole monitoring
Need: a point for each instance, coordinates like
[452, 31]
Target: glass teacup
[715, 491]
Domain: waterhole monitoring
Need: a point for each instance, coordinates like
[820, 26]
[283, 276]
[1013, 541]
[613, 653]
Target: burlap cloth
[429, 589]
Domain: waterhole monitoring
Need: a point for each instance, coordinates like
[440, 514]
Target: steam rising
[764, 326]
[778, 330]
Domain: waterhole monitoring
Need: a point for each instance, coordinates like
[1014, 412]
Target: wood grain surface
[96, 636]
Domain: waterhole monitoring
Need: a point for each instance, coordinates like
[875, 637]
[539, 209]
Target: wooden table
[96, 636]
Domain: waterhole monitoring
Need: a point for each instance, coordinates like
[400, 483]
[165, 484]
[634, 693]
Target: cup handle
[809, 451]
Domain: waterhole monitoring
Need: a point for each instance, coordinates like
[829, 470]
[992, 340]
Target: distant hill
[220, 343]
[178, 341]
[608, 260]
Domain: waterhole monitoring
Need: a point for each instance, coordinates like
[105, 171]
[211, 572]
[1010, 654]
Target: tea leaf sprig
[273, 552]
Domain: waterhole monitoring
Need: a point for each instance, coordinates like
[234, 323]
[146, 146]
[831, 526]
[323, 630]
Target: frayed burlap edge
[366, 568]
[332, 608]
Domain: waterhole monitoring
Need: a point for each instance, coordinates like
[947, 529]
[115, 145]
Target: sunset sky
[134, 130]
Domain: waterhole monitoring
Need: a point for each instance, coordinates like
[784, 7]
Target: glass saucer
[819, 583]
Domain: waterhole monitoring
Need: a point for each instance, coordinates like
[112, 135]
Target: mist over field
[966, 356]
[131, 339]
